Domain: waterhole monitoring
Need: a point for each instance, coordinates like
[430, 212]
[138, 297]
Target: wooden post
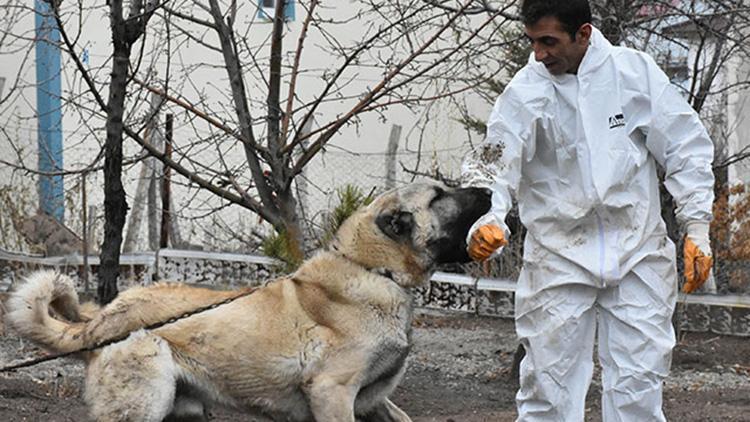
[390, 157]
[136, 213]
[143, 201]
[84, 222]
[156, 139]
[152, 212]
[175, 235]
[165, 186]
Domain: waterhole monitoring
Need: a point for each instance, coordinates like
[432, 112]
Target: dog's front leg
[332, 400]
[386, 412]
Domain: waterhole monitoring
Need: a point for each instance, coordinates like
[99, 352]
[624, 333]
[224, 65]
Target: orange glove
[485, 240]
[697, 251]
[697, 266]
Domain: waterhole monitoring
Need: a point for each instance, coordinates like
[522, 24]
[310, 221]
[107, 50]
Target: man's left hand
[698, 259]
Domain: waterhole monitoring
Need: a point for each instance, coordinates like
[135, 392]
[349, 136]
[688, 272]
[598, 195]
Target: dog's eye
[397, 225]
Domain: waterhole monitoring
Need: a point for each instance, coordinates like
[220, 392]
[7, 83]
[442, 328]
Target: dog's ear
[397, 225]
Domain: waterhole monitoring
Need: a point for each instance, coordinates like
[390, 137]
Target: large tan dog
[327, 343]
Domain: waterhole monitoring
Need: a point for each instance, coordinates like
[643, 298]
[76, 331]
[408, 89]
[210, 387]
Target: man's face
[555, 48]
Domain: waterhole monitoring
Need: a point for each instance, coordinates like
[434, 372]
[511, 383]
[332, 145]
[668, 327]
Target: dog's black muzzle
[469, 204]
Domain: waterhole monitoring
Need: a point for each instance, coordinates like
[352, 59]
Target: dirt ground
[458, 371]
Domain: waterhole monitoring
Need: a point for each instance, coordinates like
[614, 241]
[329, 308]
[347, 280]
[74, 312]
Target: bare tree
[125, 32]
[414, 29]
[409, 53]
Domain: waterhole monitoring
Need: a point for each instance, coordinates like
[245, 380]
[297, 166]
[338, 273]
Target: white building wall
[201, 79]
[738, 122]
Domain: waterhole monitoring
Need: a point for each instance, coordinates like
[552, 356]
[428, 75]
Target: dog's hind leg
[188, 407]
[133, 380]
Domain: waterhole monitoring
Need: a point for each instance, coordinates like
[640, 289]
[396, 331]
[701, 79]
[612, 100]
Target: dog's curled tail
[29, 312]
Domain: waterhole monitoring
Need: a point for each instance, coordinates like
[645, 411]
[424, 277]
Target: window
[657, 8]
[266, 10]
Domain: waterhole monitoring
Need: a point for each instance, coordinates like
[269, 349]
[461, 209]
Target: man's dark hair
[571, 13]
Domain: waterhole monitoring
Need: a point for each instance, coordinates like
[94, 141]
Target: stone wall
[721, 314]
[220, 270]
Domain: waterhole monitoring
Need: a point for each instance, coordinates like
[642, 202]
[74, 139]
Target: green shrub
[277, 246]
[351, 198]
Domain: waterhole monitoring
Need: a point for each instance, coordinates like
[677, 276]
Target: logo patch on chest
[617, 120]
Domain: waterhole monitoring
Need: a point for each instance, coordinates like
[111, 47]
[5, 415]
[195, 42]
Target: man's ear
[583, 35]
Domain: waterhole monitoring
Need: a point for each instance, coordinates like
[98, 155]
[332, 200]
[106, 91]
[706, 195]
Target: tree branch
[376, 91]
[295, 71]
[234, 71]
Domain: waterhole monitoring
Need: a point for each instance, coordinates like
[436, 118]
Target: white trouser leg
[557, 327]
[636, 338]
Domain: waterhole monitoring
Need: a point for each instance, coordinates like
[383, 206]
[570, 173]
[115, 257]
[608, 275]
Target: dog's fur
[327, 343]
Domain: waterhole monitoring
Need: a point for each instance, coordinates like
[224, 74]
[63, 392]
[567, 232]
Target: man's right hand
[485, 240]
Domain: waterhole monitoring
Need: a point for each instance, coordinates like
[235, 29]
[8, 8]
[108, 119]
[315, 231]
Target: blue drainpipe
[48, 93]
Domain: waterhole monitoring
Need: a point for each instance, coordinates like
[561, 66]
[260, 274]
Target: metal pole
[48, 99]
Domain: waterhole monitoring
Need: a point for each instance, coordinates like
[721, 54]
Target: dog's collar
[382, 272]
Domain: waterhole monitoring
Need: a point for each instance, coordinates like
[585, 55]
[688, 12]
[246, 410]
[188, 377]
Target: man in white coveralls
[576, 138]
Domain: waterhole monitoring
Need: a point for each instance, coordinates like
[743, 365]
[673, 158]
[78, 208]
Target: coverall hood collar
[597, 53]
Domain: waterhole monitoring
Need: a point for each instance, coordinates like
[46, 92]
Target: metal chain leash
[104, 343]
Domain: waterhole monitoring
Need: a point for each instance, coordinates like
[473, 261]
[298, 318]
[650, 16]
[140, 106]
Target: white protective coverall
[580, 154]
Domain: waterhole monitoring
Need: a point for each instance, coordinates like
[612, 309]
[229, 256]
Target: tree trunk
[291, 228]
[115, 204]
